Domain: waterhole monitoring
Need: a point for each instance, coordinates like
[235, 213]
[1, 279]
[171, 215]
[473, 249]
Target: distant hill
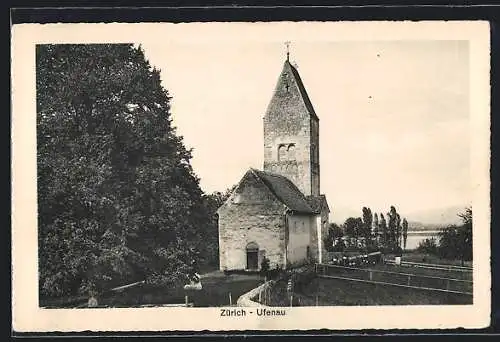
[435, 218]
[419, 220]
[416, 226]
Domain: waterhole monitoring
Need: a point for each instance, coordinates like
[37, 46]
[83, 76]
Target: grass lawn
[431, 259]
[215, 292]
[329, 292]
[401, 275]
[422, 271]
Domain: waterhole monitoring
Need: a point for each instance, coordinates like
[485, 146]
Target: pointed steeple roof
[302, 89]
[289, 78]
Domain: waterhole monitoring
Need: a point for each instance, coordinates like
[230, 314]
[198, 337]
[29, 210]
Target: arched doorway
[252, 256]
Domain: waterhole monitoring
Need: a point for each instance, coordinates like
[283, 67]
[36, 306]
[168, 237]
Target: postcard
[250, 176]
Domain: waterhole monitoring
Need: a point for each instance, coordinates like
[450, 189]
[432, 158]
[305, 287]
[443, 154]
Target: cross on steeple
[287, 43]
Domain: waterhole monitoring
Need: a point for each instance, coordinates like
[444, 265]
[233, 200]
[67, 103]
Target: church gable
[251, 190]
[260, 187]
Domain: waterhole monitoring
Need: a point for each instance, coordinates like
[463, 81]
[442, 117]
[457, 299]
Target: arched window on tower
[291, 152]
[282, 152]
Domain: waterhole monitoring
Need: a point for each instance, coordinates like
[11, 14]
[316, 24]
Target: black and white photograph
[252, 174]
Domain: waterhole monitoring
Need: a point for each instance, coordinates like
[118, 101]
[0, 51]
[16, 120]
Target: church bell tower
[291, 133]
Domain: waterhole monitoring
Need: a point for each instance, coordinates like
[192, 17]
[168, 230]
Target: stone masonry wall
[299, 239]
[287, 121]
[251, 214]
[314, 238]
[315, 174]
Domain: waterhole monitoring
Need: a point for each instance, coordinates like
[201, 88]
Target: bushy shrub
[276, 273]
[264, 267]
[428, 246]
[339, 246]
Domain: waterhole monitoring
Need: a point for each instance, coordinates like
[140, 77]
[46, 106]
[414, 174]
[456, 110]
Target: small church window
[282, 151]
[291, 152]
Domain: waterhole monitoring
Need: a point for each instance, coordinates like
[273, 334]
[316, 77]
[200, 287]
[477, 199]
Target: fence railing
[432, 266]
[259, 296]
[409, 280]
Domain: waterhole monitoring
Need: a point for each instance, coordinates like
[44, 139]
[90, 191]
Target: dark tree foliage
[394, 229]
[264, 267]
[455, 242]
[376, 227]
[117, 197]
[384, 231]
[367, 223]
[428, 246]
[404, 232]
[333, 237]
[209, 258]
[353, 226]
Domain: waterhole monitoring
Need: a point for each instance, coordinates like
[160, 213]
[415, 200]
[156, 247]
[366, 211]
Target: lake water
[414, 238]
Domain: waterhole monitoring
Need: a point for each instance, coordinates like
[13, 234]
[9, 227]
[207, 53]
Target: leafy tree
[399, 230]
[405, 232]
[384, 230]
[209, 255]
[375, 227]
[264, 267]
[337, 232]
[466, 217]
[455, 242]
[394, 228]
[367, 223]
[428, 246]
[350, 227]
[117, 197]
[353, 227]
[328, 241]
[333, 237]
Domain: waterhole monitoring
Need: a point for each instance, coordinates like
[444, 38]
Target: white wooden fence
[408, 280]
[259, 296]
[432, 266]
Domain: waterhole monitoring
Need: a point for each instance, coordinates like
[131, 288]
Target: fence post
[230, 300]
[186, 299]
[260, 296]
[371, 275]
[448, 284]
[408, 280]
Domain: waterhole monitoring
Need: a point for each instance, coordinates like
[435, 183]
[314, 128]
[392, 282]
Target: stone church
[279, 212]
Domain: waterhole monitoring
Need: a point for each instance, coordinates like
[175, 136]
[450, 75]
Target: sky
[394, 114]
